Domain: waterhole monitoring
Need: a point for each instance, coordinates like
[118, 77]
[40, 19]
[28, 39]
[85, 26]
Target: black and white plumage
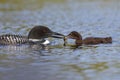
[10, 39]
[36, 34]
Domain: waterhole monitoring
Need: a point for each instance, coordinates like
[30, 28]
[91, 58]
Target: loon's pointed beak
[57, 35]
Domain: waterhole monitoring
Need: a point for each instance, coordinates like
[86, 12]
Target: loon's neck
[42, 41]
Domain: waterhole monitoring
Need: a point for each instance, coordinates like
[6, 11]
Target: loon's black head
[40, 32]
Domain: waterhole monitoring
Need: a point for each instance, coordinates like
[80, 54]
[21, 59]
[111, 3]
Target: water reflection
[87, 70]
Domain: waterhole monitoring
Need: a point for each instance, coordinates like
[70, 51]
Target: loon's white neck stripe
[45, 42]
[34, 40]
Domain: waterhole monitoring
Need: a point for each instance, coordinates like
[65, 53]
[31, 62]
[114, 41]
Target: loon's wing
[9, 39]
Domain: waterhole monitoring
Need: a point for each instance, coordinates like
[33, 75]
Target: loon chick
[36, 34]
[89, 40]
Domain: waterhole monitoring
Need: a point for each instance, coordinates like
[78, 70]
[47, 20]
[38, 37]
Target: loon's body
[8, 39]
[37, 34]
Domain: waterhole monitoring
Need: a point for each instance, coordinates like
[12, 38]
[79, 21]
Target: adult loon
[36, 34]
[89, 40]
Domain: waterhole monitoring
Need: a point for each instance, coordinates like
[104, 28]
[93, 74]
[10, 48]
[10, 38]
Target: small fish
[65, 40]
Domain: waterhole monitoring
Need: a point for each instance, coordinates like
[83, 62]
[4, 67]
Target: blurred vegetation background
[36, 4]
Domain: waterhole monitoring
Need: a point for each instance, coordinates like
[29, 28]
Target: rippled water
[90, 18]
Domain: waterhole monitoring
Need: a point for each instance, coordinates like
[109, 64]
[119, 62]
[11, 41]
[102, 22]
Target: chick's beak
[68, 36]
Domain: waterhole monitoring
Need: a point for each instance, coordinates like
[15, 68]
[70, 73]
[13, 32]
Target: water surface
[90, 18]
